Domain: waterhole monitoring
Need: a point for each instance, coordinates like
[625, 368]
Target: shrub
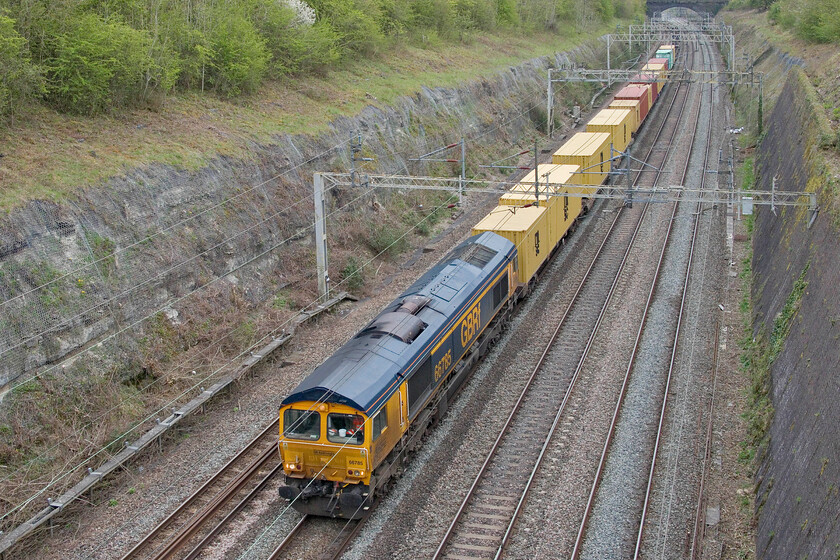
[474, 14]
[238, 56]
[435, 15]
[351, 275]
[99, 63]
[354, 21]
[20, 80]
[387, 239]
[394, 17]
[506, 13]
[297, 46]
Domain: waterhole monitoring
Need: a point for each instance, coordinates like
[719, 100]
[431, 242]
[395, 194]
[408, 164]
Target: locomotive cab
[325, 451]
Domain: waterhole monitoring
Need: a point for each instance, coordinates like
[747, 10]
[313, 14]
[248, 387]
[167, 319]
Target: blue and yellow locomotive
[345, 430]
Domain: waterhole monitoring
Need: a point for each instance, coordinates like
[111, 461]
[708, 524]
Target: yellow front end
[326, 442]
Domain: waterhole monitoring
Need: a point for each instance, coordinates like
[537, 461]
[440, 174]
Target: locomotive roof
[368, 369]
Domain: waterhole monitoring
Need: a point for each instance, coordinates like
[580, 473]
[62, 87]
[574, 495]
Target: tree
[99, 64]
[355, 22]
[20, 80]
[297, 43]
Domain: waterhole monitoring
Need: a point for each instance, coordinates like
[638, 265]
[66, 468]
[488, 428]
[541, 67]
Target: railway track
[486, 518]
[595, 550]
[187, 530]
[339, 534]
[190, 528]
[676, 338]
[660, 542]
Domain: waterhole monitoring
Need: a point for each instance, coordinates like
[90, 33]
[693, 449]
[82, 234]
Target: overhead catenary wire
[474, 136]
[193, 387]
[270, 403]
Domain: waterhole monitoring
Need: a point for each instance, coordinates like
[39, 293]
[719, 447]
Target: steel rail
[231, 514]
[345, 542]
[342, 539]
[295, 530]
[521, 399]
[491, 454]
[575, 376]
[582, 360]
[674, 348]
[699, 532]
[187, 531]
[614, 421]
[195, 497]
[676, 337]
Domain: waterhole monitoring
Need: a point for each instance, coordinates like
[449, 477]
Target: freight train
[347, 429]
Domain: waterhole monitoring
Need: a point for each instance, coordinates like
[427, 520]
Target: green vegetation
[782, 322]
[103, 251]
[387, 239]
[759, 353]
[94, 56]
[352, 275]
[746, 174]
[283, 300]
[813, 20]
[20, 79]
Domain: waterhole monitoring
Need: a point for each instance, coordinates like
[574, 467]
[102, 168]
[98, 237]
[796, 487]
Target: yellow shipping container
[658, 68]
[562, 210]
[633, 106]
[527, 228]
[589, 150]
[618, 123]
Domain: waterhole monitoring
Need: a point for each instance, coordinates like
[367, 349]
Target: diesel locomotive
[347, 428]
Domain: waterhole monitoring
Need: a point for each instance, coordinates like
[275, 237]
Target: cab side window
[380, 422]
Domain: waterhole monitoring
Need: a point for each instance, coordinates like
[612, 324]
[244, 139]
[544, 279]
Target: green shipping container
[668, 54]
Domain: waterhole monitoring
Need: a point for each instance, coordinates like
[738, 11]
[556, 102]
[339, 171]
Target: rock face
[799, 475]
[85, 272]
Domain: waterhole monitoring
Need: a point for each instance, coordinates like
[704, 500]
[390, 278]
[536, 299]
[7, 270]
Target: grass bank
[49, 155]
